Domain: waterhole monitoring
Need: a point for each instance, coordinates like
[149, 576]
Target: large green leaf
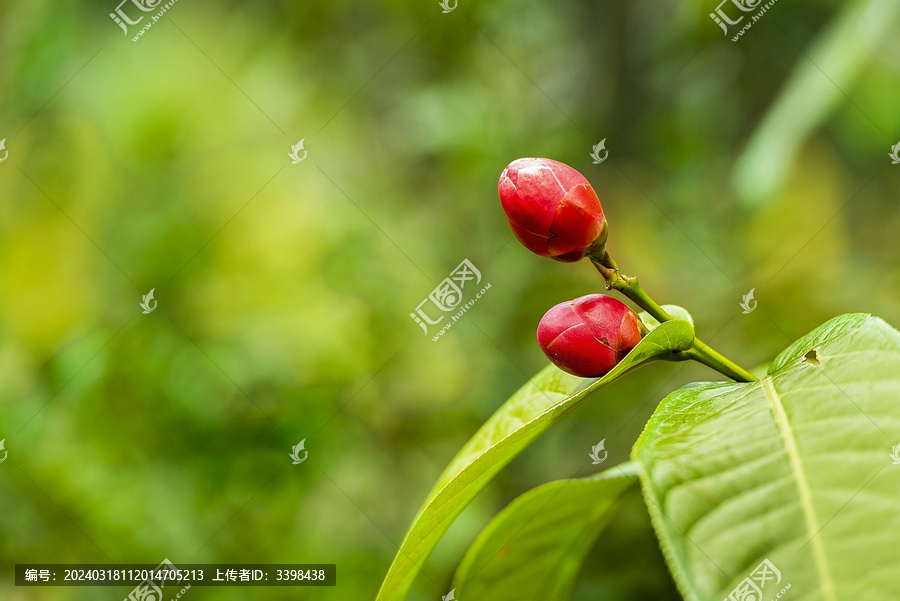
[533, 549]
[530, 412]
[794, 469]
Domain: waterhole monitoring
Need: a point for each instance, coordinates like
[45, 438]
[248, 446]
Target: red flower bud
[587, 336]
[551, 207]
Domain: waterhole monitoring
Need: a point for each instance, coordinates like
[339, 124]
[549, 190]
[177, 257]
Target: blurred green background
[285, 289]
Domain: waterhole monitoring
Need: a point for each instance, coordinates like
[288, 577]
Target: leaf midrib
[806, 501]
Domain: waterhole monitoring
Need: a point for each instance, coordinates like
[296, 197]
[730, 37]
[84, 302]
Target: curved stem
[700, 351]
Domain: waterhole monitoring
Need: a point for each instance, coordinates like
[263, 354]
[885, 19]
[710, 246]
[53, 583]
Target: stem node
[700, 351]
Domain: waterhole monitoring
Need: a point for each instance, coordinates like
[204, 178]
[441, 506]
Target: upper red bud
[553, 210]
[588, 336]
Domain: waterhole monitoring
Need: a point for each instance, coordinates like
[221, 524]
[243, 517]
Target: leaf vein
[803, 487]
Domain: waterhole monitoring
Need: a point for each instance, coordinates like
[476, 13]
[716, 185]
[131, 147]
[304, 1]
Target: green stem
[703, 353]
[629, 286]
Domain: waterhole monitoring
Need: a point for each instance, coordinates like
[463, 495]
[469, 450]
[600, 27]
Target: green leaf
[674, 311]
[533, 549]
[530, 412]
[794, 469]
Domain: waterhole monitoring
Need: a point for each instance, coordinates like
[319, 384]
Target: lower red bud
[588, 336]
